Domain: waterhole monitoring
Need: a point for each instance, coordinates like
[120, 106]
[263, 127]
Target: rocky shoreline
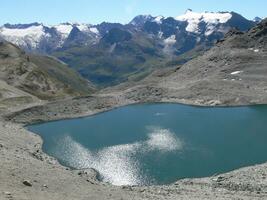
[233, 73]
[28, 173]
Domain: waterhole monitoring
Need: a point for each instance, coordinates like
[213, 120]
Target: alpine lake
[149, 144]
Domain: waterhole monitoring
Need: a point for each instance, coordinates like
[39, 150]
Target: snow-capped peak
[30, 36]
[21, 32]
[21, 36]
[257, 19]
[140, 20]
[87, 28]
[94, 30]
[158, 19]
[210, 18]
[64, 29]
[82, 27]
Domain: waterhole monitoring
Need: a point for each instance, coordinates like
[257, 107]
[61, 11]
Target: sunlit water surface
[159, 143]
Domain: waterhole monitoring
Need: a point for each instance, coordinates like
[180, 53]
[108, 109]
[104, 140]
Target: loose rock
[27, 183]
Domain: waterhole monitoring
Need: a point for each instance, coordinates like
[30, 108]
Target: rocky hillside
[26, 78]
[111, 53]
[234, 72]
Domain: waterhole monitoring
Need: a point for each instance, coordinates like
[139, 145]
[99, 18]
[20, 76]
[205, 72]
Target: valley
[229, 69]
[112, 53]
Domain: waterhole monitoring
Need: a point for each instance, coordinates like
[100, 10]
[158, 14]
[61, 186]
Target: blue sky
[97, 11]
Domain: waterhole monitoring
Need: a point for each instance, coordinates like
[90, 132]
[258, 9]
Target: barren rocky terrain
[232, 73]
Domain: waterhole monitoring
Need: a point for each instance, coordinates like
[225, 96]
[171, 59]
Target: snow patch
[211, 19]
[33, 30]
[82, 27]
[31, 36]
[255, 50]
[64, 29]
[160, 34]
[198, 39]
[21, 37]
[236, 72]
[94, 30]
[170, 40]
[158, 19]
[210, 29]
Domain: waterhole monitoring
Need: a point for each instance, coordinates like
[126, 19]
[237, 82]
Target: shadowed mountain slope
[28, 78]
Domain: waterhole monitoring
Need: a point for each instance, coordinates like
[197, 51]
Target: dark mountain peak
[237, 15]
[257, 19]
[78, 38]
[116, 35]
[151, 27]
[21, 26]
[140, 20]
[50, 30]
[105, 27]
[68, 23]
[188, 10]
[240, 22]
[170, 20]
[74, 32]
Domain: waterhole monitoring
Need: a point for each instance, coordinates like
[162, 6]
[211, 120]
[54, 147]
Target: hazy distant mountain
[37, 37]
[202, 26]
[110, 53]
[140, 20]
[257, 19]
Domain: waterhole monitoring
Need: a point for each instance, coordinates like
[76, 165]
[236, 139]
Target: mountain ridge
[63, 30]
[111, 53]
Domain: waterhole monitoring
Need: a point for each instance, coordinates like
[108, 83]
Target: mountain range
[111, 53]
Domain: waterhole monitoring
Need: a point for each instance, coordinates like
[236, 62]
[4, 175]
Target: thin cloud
[130, 8]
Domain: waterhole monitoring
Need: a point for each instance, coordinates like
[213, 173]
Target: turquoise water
[159, 143]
